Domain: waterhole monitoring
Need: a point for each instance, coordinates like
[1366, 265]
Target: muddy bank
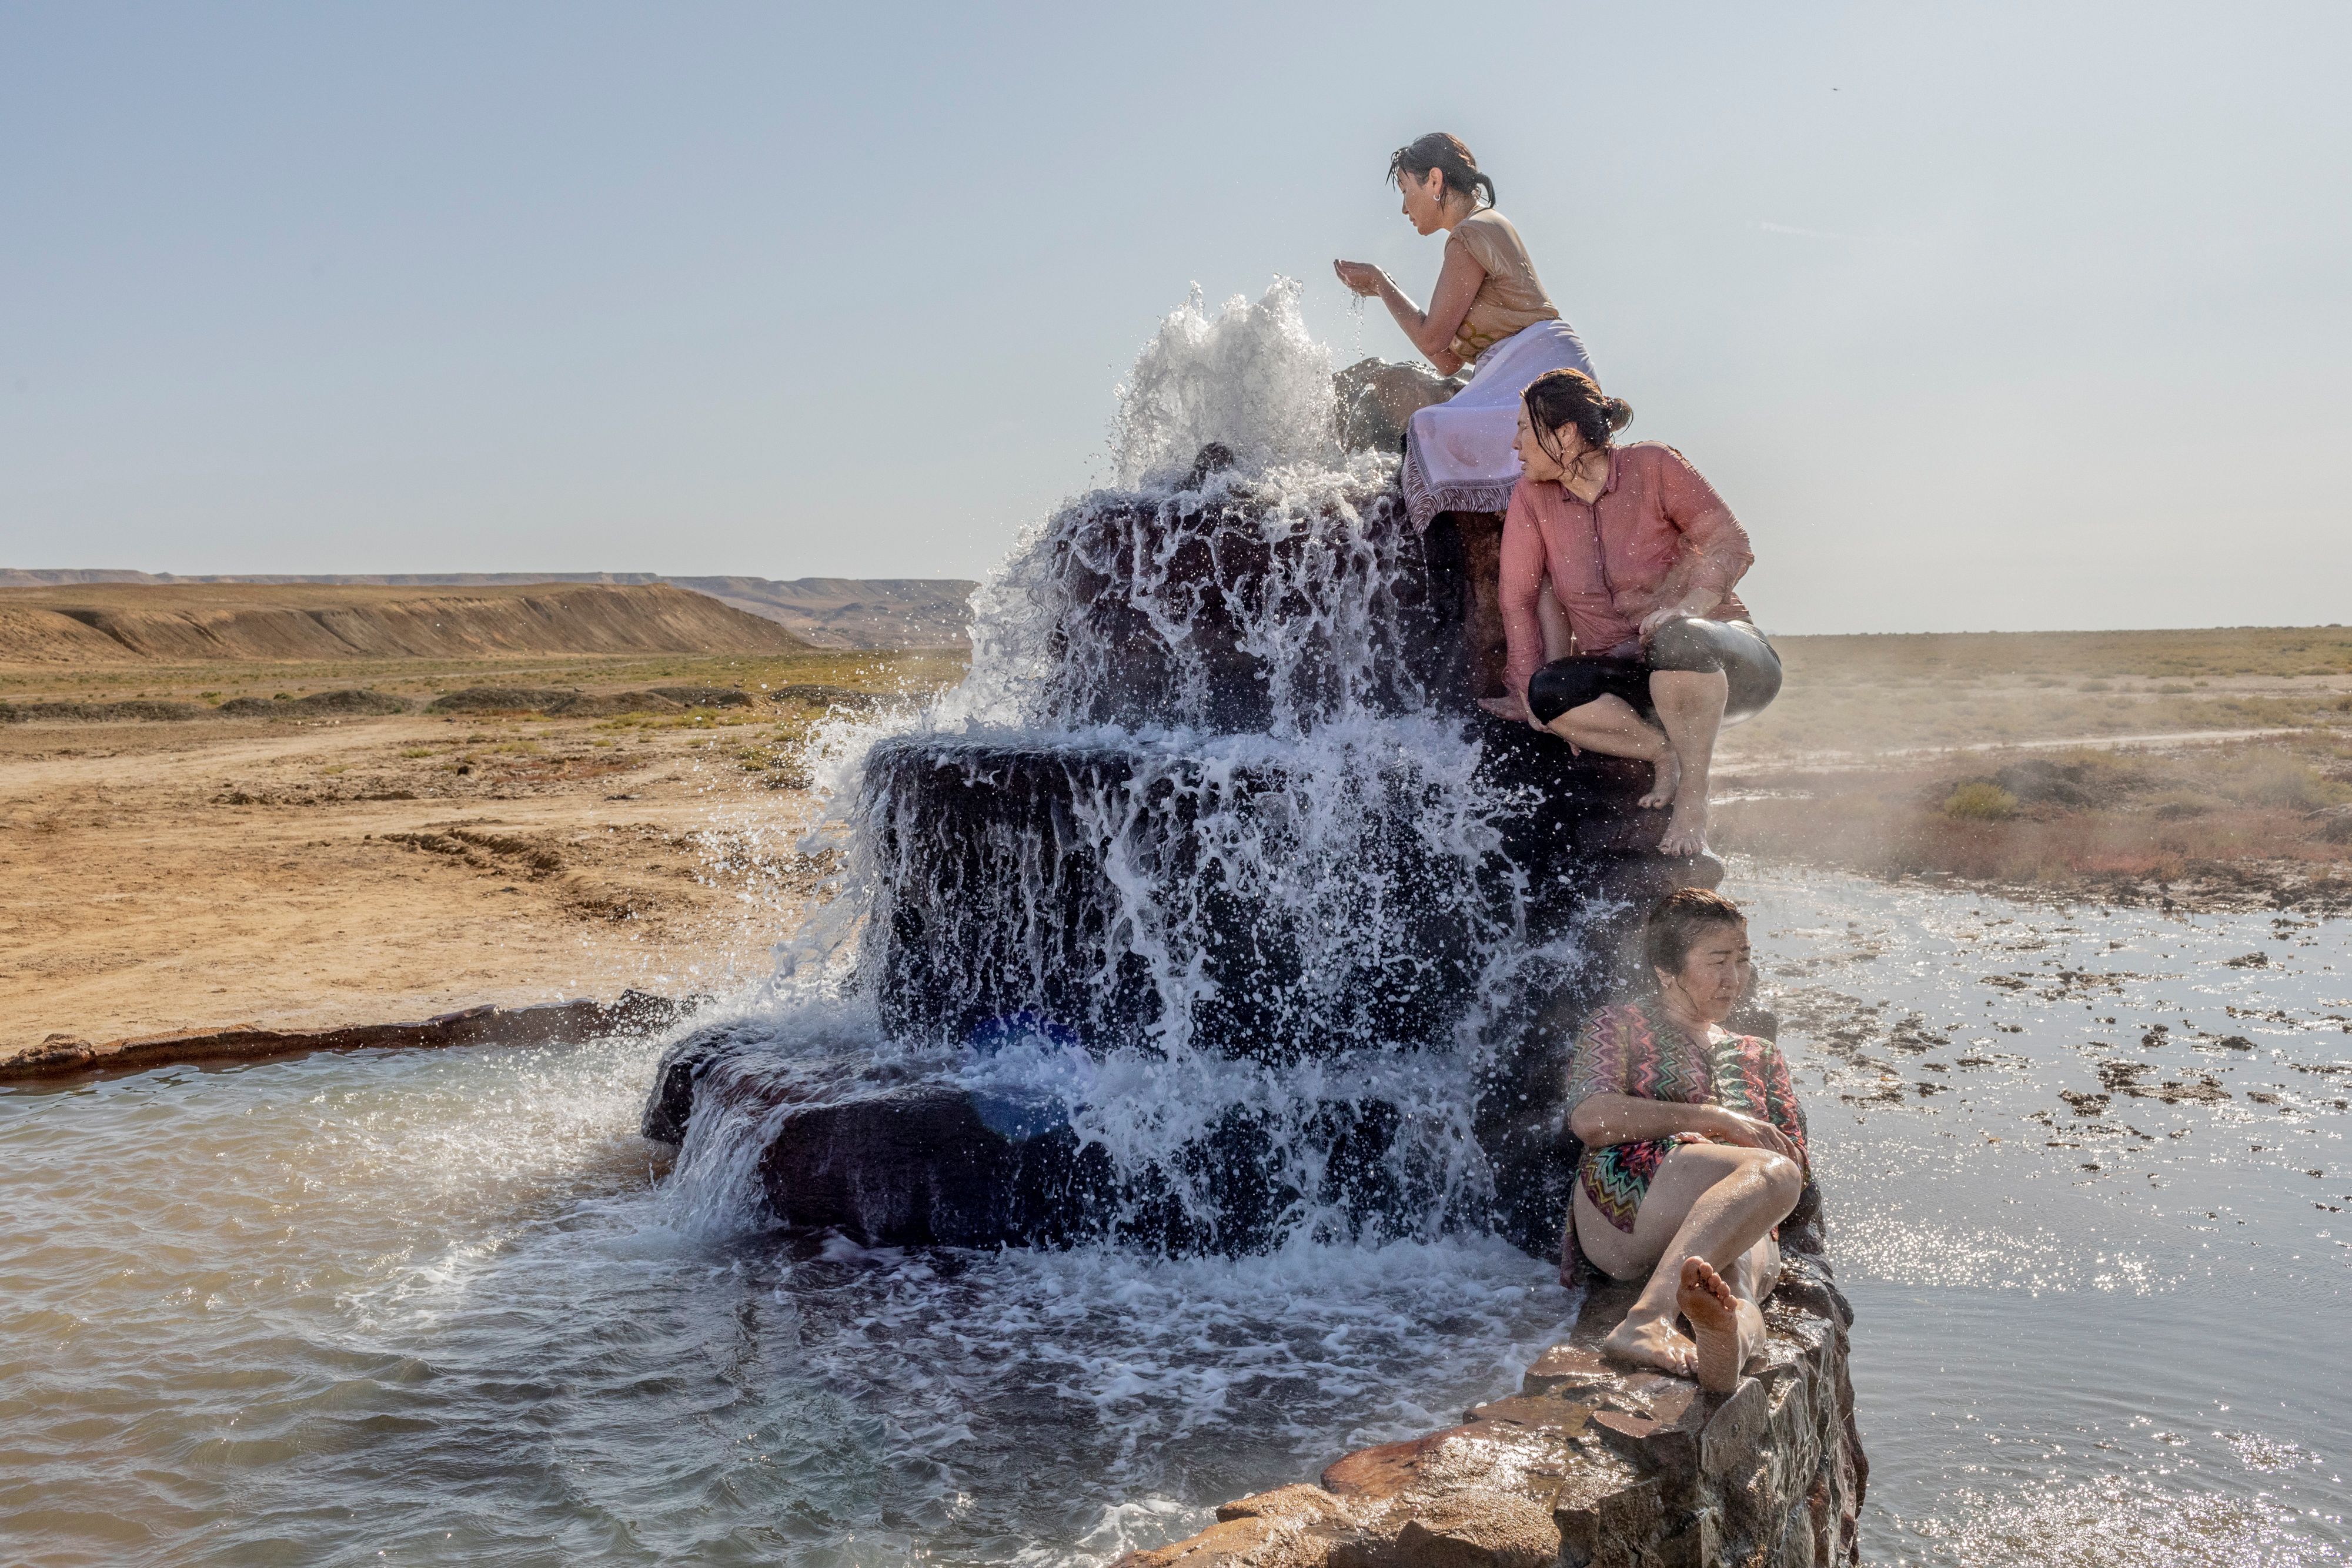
[550, 1023]
[165, 878]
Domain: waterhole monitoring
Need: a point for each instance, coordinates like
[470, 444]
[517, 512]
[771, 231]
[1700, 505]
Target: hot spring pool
[436, 1307]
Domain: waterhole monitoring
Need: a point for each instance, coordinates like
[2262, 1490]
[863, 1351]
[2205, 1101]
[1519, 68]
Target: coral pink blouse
[1657, 531]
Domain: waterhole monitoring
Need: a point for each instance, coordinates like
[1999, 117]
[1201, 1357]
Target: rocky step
[1595, 1465]
[890, 1161]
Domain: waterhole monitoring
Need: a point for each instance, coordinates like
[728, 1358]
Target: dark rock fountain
[1211, 909]
[1166, 865]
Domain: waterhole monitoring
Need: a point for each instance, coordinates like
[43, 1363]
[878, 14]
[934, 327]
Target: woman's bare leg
[1690, 709]
[1710, 1201]
[1559, 635]
[1610, 725]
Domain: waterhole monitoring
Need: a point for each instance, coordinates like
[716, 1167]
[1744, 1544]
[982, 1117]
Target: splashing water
[1250, 378]
[1193, 857]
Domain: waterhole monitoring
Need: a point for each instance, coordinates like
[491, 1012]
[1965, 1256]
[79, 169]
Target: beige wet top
[1511, 298]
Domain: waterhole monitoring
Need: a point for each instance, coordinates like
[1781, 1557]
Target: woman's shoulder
[1656, 463]
[1528, 494]
[1488, 236]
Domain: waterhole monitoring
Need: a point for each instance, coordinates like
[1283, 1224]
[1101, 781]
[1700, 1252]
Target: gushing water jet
[1208, 911]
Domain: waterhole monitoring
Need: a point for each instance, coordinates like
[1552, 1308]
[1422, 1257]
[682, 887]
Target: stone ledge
[64, 1056]
[1594, 1465]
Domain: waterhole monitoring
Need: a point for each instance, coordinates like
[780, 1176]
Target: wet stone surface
[1593, 1464]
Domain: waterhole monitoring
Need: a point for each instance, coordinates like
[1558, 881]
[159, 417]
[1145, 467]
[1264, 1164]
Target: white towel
[1458, 455]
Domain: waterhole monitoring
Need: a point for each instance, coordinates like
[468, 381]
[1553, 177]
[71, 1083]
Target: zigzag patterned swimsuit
[1636, 1049]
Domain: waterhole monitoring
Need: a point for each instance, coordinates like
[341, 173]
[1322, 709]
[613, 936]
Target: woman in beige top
[1489, 310]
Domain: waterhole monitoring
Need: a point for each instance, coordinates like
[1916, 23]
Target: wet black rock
[1376, 397]
[890, 1157]
[1178, 850]
[1154, 593]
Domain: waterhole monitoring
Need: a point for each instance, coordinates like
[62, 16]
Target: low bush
[1980, 800]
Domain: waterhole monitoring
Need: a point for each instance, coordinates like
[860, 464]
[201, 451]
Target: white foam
[1353, 830]
[1249, 377]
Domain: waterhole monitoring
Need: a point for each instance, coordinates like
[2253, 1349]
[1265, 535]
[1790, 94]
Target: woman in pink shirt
[1643, 555]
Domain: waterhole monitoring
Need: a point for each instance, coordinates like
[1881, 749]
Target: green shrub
[1980, 801]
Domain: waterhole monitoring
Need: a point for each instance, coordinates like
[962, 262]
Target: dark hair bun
[1558, 398]
[1447, 156]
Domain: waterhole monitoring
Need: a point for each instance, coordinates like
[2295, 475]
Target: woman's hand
[1691, 606]
[1725, 1125]
[1360, 277]
[1657, 617]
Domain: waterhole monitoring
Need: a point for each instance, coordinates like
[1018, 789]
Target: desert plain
[277, 853]
[195, 834]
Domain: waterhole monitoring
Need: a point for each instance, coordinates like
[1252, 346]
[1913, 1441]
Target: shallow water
[2087, 1331]
[430, 1307]
[426, 1307]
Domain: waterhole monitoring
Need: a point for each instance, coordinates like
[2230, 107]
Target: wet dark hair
[1571, 397]
[1446, 154]
[1678, 921]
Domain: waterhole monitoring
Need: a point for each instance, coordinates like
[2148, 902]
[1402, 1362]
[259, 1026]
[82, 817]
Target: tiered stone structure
[989, 861]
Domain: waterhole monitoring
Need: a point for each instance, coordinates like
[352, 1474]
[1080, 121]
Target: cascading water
[1205, 913]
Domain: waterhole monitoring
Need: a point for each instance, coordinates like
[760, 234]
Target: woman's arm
[1602, 1120]
[1559, 630]
[1521, 585]
[1718, 555]
[1431, 331]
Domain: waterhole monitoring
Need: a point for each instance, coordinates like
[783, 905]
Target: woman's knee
[1784, 1178]
[1562, 687]
[1778, 1175]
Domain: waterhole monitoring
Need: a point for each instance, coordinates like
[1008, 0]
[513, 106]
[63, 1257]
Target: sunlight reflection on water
[423, 1303]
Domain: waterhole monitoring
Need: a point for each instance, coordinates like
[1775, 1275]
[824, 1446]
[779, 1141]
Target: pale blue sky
[1982, 316]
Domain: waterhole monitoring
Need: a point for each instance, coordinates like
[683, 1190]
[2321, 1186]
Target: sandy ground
[159, 876]
[170, 877]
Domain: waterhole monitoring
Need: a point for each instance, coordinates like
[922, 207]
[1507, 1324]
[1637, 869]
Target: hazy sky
[1982, 316]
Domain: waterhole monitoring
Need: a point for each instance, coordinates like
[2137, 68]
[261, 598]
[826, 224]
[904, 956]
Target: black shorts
[1734, 647]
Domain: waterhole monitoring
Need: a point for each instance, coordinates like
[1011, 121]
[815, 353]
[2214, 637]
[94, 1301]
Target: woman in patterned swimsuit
[1693, 1149]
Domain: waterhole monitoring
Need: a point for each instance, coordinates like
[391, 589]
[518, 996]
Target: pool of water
[2093, 1326]
[432, 1307]
[436, 1307]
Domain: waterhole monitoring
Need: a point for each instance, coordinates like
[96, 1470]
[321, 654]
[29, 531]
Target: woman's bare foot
[1685, 831]
[1652, 1342]
[1714, 1314]
[1665, 779]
